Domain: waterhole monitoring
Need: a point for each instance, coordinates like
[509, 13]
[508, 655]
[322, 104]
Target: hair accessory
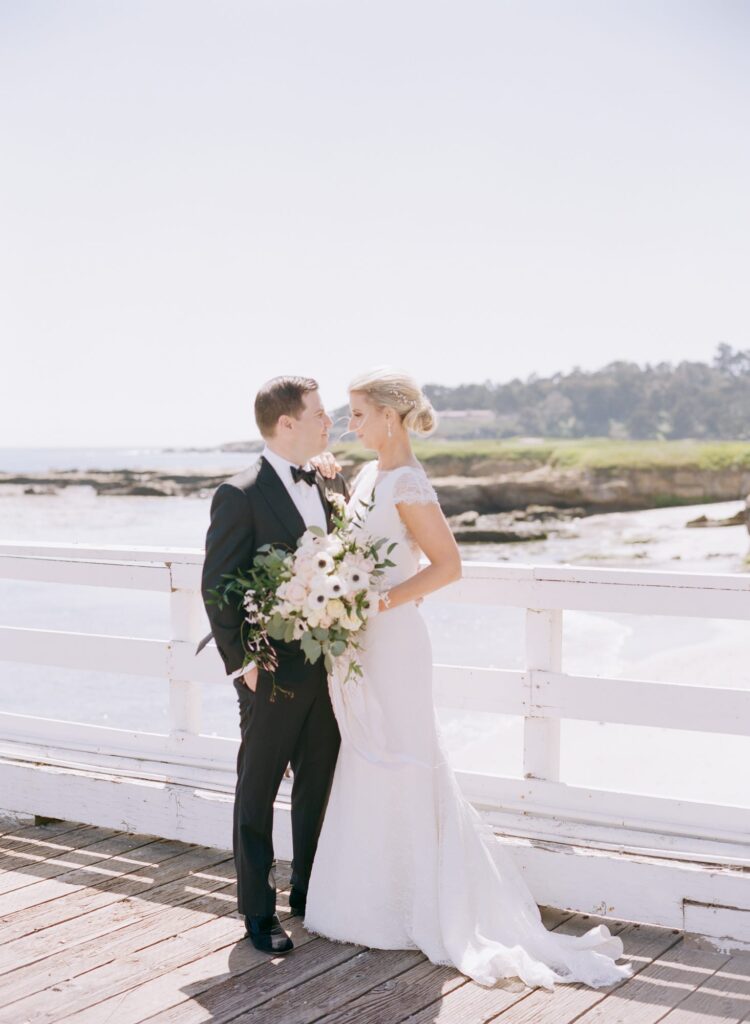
[401, 397]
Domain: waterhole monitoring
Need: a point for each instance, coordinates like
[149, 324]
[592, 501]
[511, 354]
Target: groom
[273, 502]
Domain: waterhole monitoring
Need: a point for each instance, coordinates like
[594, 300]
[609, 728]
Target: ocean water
[669, 762]
[45, 460]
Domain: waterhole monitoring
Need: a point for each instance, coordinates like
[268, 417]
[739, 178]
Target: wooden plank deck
[104, 927]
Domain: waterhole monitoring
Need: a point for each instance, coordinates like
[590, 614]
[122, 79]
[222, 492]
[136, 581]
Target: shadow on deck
[101, 926]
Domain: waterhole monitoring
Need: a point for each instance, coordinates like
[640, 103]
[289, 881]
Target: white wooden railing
[664, 860]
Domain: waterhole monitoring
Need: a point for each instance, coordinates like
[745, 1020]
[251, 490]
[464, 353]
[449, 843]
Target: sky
[195, 197]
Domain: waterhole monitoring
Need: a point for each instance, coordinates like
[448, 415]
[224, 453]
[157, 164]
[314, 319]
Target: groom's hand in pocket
[250, 678]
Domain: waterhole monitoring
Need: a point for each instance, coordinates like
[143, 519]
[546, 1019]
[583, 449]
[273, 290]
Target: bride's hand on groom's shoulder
[326, 465]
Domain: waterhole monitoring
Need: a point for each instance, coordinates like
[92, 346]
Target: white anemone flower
[336, 586]
[317, 600]
[322, 561]
[356, 579]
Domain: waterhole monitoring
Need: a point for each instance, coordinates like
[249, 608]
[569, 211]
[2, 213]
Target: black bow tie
[308, 475]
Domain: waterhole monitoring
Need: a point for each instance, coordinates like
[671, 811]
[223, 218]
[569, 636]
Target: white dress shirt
[306, 498]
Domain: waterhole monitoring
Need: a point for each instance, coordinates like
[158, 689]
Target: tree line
[621, 400]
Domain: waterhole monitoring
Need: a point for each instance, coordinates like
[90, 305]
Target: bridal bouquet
[321, 595]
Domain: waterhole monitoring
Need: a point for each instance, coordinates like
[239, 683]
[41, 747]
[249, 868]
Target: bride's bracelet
[385, 597]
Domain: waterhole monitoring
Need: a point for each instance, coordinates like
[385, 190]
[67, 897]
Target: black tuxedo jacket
[249, 510]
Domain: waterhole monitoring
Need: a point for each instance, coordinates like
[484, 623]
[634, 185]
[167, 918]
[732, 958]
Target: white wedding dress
[403, 860]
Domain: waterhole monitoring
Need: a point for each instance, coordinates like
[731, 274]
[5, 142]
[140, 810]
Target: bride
[403, 860]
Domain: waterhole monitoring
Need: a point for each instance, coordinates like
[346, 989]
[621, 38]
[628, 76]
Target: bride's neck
[395, 453]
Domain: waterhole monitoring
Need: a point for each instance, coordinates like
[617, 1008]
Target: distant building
[466, 414]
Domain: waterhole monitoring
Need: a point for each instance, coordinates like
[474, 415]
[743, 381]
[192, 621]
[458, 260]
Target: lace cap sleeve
[413, 487]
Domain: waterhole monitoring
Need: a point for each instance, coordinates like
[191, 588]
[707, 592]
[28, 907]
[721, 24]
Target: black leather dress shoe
[267, 935]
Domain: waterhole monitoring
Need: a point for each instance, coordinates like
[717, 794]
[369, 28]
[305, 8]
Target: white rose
[351, 622]
[296, 592]
[333, 545]
[307, 543]
[337, 499]
[336, 609]
[305, 574]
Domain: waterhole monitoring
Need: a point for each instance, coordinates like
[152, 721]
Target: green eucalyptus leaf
[276, 627]
[311, 647]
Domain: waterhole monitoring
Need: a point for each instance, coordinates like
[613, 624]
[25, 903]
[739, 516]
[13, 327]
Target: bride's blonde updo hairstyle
[392, 389]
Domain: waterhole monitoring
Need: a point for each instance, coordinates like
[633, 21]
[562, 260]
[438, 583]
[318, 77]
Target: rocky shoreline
[148, 482]
[495, 502]
[595, 490]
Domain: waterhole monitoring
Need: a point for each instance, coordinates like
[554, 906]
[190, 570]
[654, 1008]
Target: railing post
[541, 736]
[185, 615]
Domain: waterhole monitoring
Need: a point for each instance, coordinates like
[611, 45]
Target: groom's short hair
[281, 396]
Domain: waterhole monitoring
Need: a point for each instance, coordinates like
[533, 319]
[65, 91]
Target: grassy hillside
[584, 453]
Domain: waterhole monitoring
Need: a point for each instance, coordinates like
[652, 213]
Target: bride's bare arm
[430, 530]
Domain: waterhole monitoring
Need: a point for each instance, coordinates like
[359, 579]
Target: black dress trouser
[300, 731]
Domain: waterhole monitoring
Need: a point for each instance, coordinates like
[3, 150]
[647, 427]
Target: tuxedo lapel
[321, 485]
[279, 501]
